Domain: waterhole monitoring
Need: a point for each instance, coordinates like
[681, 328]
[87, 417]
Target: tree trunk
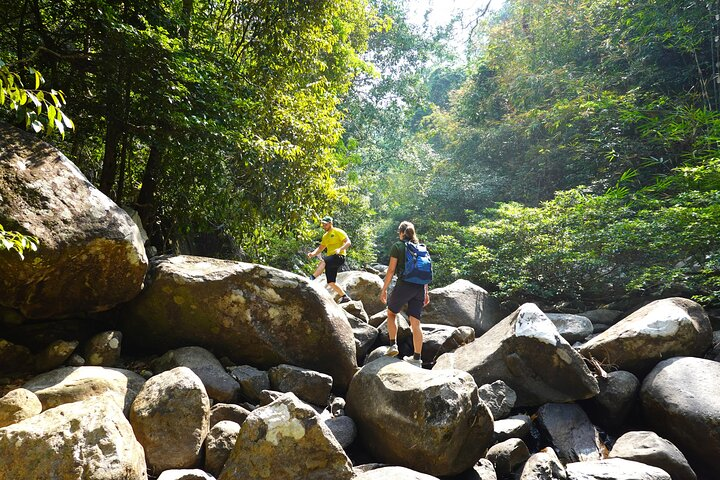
[146, 198]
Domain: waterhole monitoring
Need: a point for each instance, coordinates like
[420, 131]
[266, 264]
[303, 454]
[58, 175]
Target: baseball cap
[326, 219]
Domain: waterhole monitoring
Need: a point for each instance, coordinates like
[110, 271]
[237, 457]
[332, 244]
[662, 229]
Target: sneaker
[392, 351]
[413, 361]
[345, 299]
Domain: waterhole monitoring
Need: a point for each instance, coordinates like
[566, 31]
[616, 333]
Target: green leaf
[60, 127]
[51, 113]
[68, 122]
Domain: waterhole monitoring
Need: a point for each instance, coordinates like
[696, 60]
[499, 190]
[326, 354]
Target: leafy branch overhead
[41, 109]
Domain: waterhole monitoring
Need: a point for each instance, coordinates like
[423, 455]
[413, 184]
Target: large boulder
[286, 439]
[252, 314]
[569, 430]
[430, 421]
[393, 473]
[363, 286]
[86, 440]
[220, 385]
[680, 402]
[652, 449]
[171, 418]
[662, 329]
[72, 384]
[614, 469]
[90, 255]
[18, 405]
[526, 352]
[463, 303]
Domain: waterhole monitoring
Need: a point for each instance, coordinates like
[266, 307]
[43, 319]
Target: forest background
[569, 155]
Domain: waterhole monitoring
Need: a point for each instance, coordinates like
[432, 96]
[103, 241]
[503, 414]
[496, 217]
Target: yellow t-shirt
[334, 239]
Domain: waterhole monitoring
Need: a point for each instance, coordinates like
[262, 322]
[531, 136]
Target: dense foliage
[571, 156]
[596, 124]
[215, 121]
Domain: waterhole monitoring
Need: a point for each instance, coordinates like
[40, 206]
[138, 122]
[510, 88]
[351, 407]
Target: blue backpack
[418, 266]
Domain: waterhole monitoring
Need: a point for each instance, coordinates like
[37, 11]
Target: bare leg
[416, 333]
[320, 268]
[337, 288]
[392, 326]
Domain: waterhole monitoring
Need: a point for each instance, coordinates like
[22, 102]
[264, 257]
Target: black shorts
[332, 265]
[410, 293]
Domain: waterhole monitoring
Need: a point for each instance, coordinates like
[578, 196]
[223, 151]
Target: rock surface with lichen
[252, 314]
[287, 439]
[90, 253]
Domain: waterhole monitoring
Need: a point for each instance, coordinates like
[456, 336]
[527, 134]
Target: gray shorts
[410, 293]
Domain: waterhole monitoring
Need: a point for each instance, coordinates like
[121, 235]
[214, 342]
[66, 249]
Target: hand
[337, 251]
[311, 254]
[427, 299]
[383, 296]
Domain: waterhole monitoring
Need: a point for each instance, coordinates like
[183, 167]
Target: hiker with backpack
[336, 241]
[411, 261]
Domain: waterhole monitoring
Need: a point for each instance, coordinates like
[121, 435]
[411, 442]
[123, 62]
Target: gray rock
[430, 421]
[252, 314]
[103, 349]
[570, 432]
[618, 394]
[90, 255]
[526, 352]
[252, 381]
[614, 469]
[72, 384]
[356, 309]
[171, 405]
[363, 286]
[87, 439]
[651, 449]
[573, 328]
[220, 386]
[310, 386]
[499, 398]
[680, 402]
[543, 465]
[185, 474]
[286, 439]
[393, 473]
[14, 358]
[343, 428]
[365, 335]
[377, 319]
[507, 456]
[17, 405]
[463, 303]
[219, 443]
[228, 411]
[603, 316]
[662, 329]
[54, 355]
[517, 426]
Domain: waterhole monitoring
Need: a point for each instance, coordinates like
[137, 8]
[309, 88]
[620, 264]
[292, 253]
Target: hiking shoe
[413, 361]
[345, 299]
[392, 351]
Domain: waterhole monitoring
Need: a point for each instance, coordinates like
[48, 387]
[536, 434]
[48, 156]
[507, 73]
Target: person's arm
[388, 278]
[427, 296]
[317, 251]
[344, 246]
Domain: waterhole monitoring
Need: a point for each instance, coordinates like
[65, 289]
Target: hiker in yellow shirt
[336, 242]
